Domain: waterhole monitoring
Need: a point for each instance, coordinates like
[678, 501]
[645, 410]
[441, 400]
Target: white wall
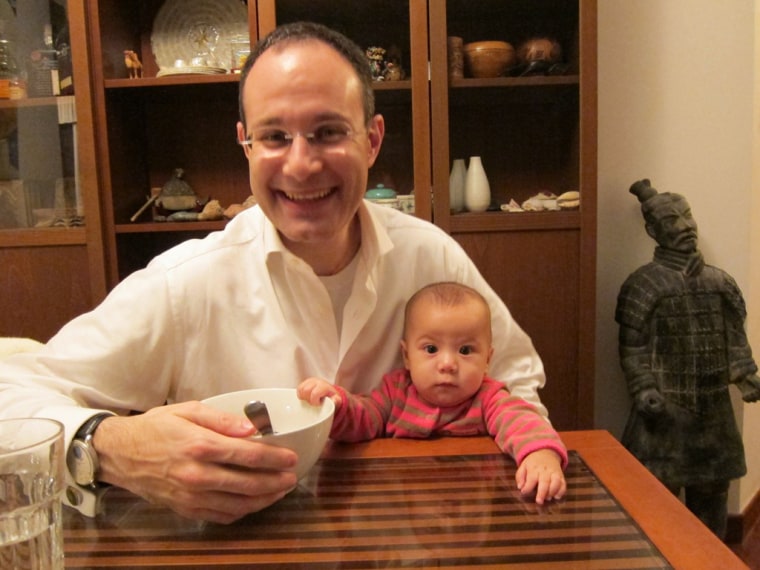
[750, 485]
[676, 81]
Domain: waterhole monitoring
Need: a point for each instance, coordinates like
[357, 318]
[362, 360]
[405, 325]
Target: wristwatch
[82, 459]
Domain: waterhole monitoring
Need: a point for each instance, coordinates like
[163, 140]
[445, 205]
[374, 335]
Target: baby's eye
[430, 348]
[465, 350]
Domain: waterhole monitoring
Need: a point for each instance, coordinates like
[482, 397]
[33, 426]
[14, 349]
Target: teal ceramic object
[380, 192]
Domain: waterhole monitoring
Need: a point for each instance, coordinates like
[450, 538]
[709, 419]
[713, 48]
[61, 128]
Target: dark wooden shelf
[125, 83]
[155, 227]
[402, 85]
[531, 81]
[514, 221]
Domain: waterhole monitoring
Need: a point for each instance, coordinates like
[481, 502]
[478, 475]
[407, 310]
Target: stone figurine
[682, 342]
[177, 201]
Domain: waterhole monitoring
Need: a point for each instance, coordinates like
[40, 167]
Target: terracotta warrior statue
[682, 342]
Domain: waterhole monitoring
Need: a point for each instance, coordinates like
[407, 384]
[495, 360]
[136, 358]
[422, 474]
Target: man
[682, 343]
[311, 282]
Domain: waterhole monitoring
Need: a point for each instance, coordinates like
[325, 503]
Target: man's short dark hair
[304, 31]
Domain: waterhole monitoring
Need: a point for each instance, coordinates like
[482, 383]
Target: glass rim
[56, 431]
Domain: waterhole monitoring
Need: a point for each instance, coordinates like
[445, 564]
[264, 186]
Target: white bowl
[297, 424]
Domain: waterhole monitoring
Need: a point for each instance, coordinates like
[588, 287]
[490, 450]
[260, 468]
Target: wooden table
[447, 503]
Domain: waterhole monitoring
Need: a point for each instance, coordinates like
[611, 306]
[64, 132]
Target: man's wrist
[85, 494]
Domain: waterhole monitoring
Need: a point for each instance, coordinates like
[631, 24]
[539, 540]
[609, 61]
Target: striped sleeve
[361, 417]
[516, 426]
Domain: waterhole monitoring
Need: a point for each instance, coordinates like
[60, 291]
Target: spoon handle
[259, 415]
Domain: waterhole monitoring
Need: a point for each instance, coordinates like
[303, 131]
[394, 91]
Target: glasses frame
[260, 147]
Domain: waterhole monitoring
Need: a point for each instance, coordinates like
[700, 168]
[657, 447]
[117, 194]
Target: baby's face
[447, 350]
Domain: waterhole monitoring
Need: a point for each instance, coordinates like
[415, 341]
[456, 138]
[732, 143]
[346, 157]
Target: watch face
[81, 462]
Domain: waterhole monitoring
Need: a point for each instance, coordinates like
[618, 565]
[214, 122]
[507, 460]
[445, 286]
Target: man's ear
[376, 132]
[650, 231]
[241, 136]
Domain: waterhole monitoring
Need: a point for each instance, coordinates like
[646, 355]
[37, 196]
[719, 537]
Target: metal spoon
[259, 415]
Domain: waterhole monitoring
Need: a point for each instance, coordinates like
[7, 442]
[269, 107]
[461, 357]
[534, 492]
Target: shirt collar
[375, 239]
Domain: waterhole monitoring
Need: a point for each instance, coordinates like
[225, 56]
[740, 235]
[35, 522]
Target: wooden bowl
[489, 58]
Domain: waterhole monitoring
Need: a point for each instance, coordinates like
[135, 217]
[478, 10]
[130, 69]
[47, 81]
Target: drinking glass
[31, 487]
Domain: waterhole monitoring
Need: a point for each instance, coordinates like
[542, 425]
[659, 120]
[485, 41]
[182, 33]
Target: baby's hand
[312, 390]
[542, 471]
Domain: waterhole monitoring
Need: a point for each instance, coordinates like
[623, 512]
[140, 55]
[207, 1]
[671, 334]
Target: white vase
[456, 185]
[477, 191]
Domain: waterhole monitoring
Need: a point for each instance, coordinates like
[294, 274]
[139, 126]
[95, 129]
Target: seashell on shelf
[512, 206]
[544, 201]
[569, 200]
[541, 202]
[234, 209]
[212, 211]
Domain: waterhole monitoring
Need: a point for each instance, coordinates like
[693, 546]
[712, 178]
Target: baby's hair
[446, 294]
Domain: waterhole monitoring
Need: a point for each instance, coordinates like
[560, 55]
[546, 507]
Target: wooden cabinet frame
[133, 134]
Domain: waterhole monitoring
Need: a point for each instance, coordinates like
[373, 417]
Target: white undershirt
[339, 288]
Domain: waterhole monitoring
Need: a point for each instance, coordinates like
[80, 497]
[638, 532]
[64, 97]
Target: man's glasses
[272, 142]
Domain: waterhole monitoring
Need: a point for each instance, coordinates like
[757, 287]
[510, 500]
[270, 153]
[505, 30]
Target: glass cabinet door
[51, 263]
[39, 187]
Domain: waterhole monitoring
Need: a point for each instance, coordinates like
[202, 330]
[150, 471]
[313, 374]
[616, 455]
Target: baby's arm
[542, 470]
[313, 390]
[358, 417]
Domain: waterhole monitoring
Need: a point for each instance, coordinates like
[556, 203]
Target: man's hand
[195, 460]
[542, 471]
[313, 390]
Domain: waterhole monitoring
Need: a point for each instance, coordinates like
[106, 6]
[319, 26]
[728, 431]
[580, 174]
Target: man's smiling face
[310, 192]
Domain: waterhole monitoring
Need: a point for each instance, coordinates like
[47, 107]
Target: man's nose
[302, 159]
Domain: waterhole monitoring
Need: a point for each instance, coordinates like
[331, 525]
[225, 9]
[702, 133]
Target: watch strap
[88, 428]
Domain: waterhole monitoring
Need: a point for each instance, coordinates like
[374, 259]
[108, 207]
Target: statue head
[667, 216]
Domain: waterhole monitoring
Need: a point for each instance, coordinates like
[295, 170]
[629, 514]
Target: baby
[444, 390]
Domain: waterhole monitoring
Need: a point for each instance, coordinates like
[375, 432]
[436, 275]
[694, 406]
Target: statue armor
[682, 343]
[684, 353]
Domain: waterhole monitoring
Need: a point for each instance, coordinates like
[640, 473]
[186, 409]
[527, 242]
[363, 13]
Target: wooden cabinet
[535, 133]
[147, 127]
[48, 172]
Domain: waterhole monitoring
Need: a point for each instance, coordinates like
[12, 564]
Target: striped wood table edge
[432, 511]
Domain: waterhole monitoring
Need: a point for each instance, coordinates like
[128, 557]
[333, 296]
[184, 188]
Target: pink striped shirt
[396, 410]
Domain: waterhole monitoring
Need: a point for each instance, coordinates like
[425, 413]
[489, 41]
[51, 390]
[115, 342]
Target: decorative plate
[184, 29]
